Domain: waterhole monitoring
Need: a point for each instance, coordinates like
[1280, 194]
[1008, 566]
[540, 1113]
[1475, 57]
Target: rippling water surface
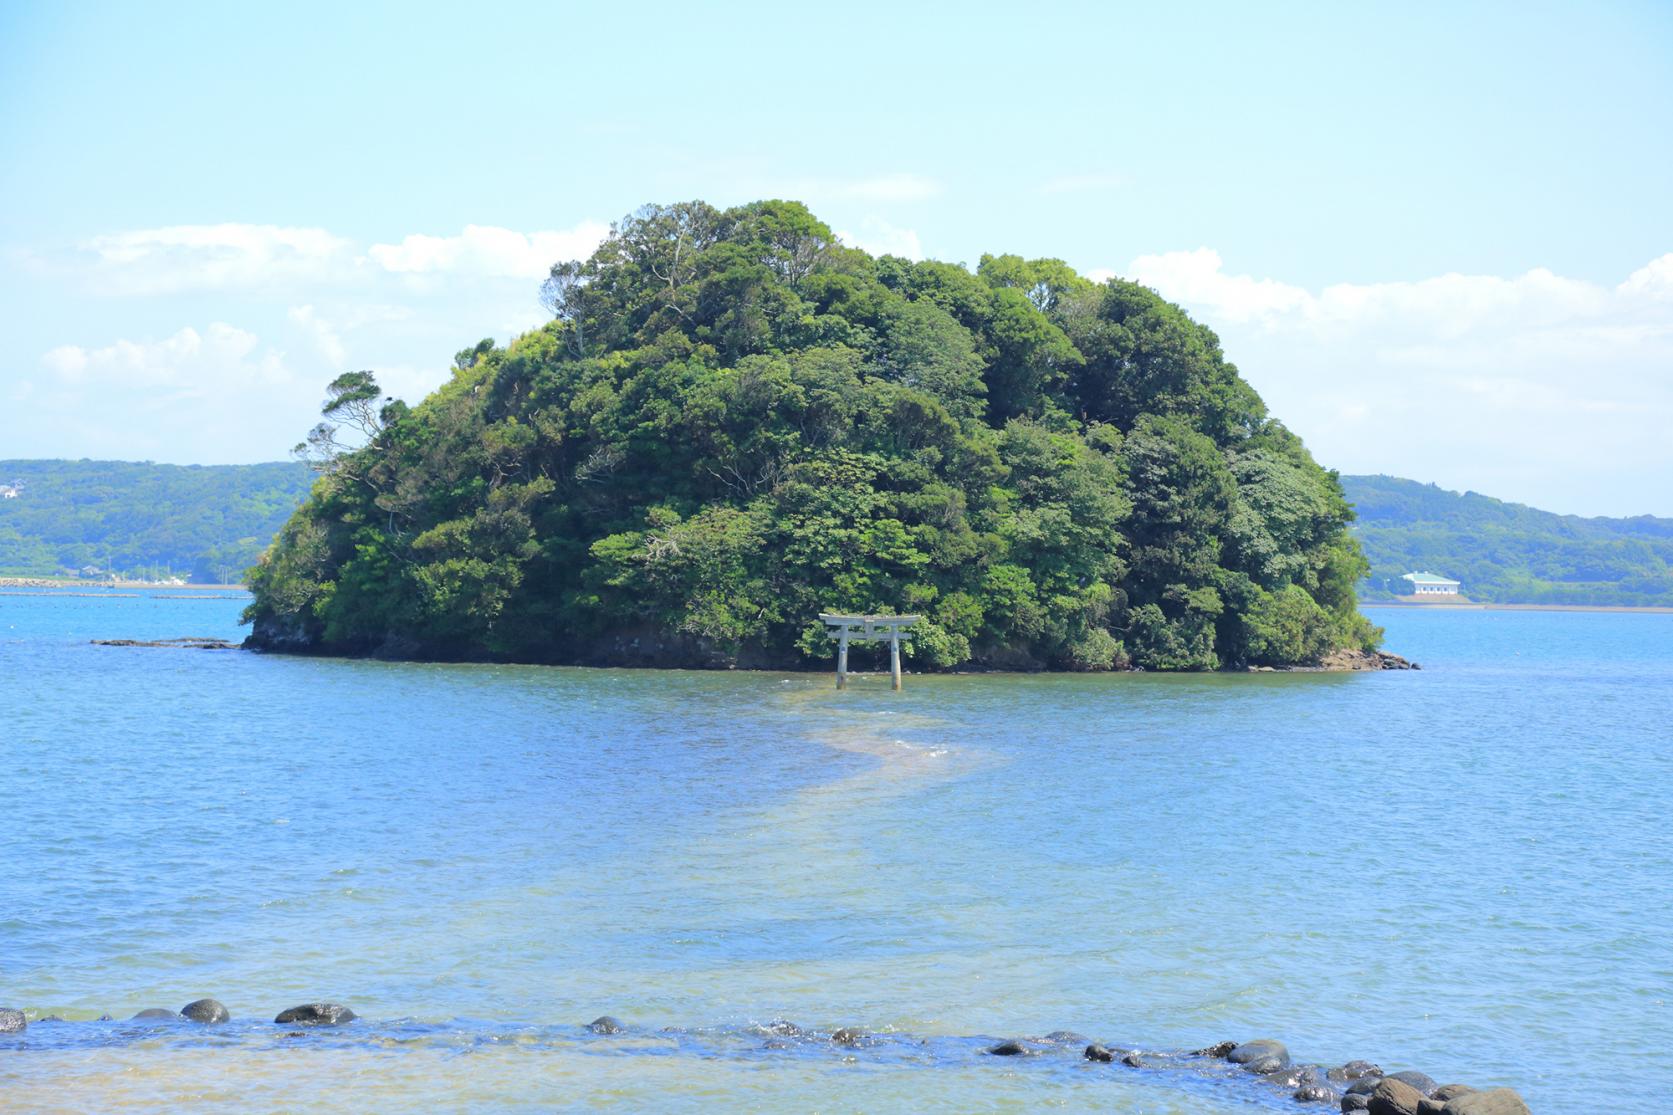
[1466, 870]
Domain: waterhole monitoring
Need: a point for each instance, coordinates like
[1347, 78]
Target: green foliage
[734, 423]
[1506, 552]
[208, 523]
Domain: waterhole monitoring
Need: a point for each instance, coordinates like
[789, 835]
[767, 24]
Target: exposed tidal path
[1462, 870]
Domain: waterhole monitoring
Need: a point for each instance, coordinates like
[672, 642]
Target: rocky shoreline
[1263, 1062]
[655, 650]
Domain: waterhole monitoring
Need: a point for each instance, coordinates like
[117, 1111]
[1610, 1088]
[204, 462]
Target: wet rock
[1356, 1101]
[1263, 1056]
[1065, 1037]
[1009, 1049]
[1450, 1091]
[1354, 1070]
[1098, 1052]
[1365, 1085]
[781, 1027]
[153, 1013]
[1423, 1083]
[205, 1010]
[1219, 1050]
[105, 1018]
[1315, 1093]
[1133, 1061]
[1298, 1075]
[1492, 1101]
[1394, 1097]
[316, 1014]
[12, 1021]
[848, 1035]
[604, 1024]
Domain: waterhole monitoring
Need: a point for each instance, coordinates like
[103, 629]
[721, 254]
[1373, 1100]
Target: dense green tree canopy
[138, 519]
[733, 423]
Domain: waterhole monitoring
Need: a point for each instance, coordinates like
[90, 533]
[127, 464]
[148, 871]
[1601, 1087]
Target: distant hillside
[208, 521]
[1506, 552]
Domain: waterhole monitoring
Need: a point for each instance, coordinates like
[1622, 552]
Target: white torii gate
[866, 629]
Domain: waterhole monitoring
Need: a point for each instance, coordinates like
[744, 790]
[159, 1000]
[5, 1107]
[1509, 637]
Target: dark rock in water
[1356, 1101]
[1315, 1093]
[1450, 1091]
[316, 1014]
[1394, 1097]
[775, 1043]
[12, 1021]
[1065, 1037]
[1297, 1076]
[848, 1035]
[1097, 1052]
[205, 1010]
[153, 1012]
[1354, 1070]
[1263, 1056]
[783, 1028]
[105, 1018]
[1492, 1101]
[1133, 1061]
[1220, 1050]
[1424, 1084]
[1365, 1085]
[1009, 1049]
[604, 1024]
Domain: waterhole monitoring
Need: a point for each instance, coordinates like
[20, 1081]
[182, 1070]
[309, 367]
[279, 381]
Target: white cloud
[321, 332]
[484, 250]
[1537, 387]
[881, 238]
[196, 257]
[185, 359]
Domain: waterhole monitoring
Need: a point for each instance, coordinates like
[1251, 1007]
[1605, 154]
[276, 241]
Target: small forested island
[733, 422]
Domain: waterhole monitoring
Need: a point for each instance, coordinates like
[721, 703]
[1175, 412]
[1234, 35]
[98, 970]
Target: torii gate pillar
[864, 629]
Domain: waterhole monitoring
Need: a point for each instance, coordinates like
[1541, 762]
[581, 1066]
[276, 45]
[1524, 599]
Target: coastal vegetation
[142, 520]
[1507, 553]
[734, 422]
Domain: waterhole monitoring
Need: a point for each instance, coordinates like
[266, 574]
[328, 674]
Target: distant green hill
[207, 521]
[1505, 552]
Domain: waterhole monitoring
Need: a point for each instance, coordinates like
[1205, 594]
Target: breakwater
[1258, 1071]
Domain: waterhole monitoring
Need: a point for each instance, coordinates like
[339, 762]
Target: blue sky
[1437, 238]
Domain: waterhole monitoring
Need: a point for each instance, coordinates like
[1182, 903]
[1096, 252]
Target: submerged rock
[1101, 1053]
[12, 1021]
[1011, 1048]
[1065, 1037]
[1220, 1050]
[1356, 1101]
[316, 1014]
[1354, 1070]
[205, 1010]
[604, 1024]
[1394, 1097]
[1315, 1093]
[1492, 1101]
[154, 1013]
[1133, 1061]
[1262, 1056]
[848, 1035]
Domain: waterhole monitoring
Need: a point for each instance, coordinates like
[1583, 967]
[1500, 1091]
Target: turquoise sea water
[1466, 870]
